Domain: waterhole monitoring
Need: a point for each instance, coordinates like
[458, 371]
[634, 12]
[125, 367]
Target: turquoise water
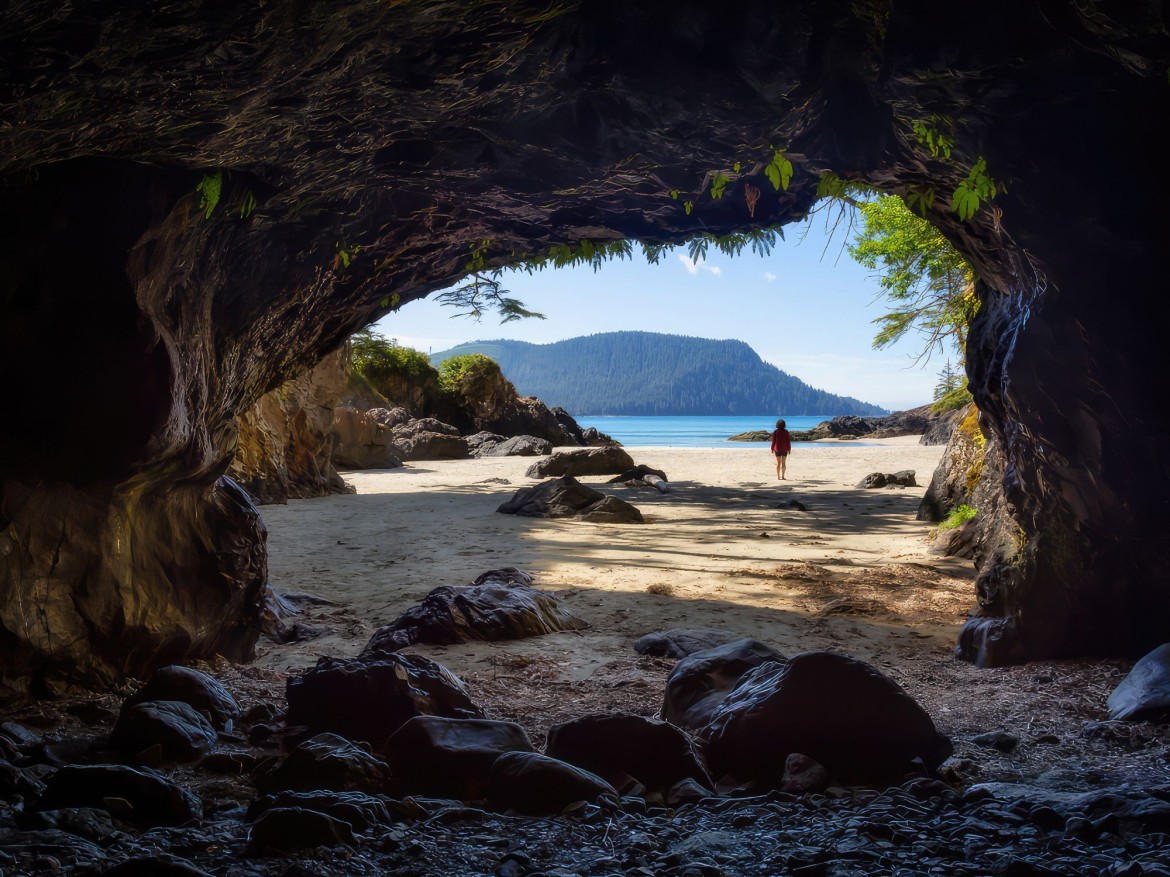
[690, 432]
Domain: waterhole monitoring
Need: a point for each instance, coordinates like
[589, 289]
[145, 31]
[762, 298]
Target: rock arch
[200, 204]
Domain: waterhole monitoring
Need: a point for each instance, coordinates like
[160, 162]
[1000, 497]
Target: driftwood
[643, 474]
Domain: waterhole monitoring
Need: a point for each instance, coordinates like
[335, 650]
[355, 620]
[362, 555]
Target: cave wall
[361, 154]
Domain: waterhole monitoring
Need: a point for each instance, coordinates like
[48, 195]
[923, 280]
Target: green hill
[638, 373]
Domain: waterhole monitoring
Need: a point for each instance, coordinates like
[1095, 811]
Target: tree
[929, 285]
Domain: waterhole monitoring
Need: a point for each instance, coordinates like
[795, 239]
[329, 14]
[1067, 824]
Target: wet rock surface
[500, 605]
[699, 683]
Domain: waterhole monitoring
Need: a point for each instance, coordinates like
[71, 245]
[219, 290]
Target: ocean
[692, 432]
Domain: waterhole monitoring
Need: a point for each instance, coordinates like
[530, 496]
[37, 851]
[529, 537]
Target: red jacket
[781, 442]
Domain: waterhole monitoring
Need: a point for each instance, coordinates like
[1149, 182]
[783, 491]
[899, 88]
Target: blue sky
[806, 308]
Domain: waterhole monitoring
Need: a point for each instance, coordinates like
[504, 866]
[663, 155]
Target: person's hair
[779, 424]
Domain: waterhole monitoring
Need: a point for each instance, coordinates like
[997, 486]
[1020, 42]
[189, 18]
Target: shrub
[471, 375]
[952, 400]
[380, 360]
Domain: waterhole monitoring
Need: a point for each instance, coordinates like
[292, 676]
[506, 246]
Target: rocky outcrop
[902, 478]
[916, 421]
[1144, 695]
[363, 439]
[285, 448]
[210, 204]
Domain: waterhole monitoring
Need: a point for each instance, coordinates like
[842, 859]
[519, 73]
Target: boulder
[564, 498]
[429, 439]
[593, 437]
[153, 800]
[1144, 695]
[193, 687]
[360, 811]
[618, 746]
[537, 785]
[327, 762]
[903, 478]
[501, 604]
[451, 758]
[638, 473]
[605, 460]
[698, 683]
[839, 711]
[362, 441]
[612, 510]
[752, 435]
[679, 642]
[486, 444]
[369, 700]
[181, 733]
[292, 829]
[803, 775]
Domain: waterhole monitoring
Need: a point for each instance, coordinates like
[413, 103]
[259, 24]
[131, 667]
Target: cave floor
[853, 573]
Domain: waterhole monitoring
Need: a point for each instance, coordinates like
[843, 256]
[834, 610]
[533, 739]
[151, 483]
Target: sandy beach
[722, 549]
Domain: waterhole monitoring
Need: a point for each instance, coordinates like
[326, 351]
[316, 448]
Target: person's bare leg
[779, 465]
[783, 466]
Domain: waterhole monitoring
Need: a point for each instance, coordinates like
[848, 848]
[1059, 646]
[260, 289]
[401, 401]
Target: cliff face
[202, 206]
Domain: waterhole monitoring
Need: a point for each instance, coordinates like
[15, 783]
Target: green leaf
[674, 193]
[735, 167]
[719, 186]
[209, 190]
[247, 205]
[344, 258]
[773, 174]
[385, 302]
[688, 206]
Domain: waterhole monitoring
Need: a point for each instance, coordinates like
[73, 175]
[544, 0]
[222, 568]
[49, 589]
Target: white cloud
[694, 267]
[769, 276]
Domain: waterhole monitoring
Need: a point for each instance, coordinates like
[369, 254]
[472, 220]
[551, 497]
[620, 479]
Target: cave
[203, 201]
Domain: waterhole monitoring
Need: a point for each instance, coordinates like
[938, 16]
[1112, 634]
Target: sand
[853, 573]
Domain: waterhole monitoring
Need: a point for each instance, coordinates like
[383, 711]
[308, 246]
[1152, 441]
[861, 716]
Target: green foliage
[381, 360]
[209, 190]
[247, 204]
[977, 189]
[929, 285]
[950, 379]
[760, 240]
[779, 171]
[959, 516]
[937, 134]
[952, 400]
[470, 375]
[719, 185]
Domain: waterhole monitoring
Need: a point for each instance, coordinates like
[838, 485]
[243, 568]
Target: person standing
[781, 448]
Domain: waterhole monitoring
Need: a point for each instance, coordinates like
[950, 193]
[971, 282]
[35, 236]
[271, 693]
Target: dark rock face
[604, 460]
[619, 747]
[195, 310]
[486, 444]
[698, 683]
[451, 758]
[369, 700]
[292, 829]
[537, 785]
[191, 687]
[679, 642]
[502, 604]
[839, 711]
[567, 498]
[1144, 695]
[917, 421]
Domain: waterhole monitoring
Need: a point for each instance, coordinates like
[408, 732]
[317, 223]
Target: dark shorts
[778, 454]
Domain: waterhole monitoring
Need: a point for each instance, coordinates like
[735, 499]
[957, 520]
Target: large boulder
[153, 800]
[841, 712]
[903, 478]
[369, 700]
[1144, 695]
[193, 687]
[327, 762]
[698, 683]
[566, 498]
[181, 733]
[603, 460]
[429, 439]
[621, 746]
[486, 444]
[501, 604]
[537, 785]
[451, 758]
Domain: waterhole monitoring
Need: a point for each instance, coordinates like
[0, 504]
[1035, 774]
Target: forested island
[649, 373]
